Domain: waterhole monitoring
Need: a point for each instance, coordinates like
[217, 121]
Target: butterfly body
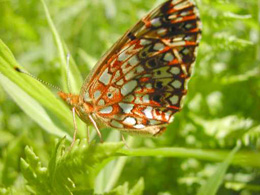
[138, 85]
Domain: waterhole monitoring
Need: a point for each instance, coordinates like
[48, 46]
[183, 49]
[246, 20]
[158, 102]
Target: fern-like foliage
[70, 170]
[124, 189]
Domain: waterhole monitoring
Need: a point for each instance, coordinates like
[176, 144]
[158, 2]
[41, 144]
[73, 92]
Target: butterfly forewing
[139, 84]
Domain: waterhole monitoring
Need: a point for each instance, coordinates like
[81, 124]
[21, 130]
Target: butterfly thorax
[83, 109]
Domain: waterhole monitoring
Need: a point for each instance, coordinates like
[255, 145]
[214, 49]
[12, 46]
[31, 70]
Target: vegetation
[212, 146]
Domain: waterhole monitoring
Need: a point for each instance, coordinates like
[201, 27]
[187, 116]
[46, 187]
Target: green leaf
[214, 182]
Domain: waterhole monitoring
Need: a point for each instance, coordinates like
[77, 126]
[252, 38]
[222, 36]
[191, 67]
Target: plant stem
[246, 158]
[118, 168]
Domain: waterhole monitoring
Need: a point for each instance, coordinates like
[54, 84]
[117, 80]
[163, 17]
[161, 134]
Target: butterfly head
[70, 99]
[82, 109]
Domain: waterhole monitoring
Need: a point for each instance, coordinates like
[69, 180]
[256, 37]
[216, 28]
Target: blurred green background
[222, 105]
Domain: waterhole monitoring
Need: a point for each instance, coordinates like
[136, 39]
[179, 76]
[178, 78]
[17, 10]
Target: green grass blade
[118, 168]
[75, 76]
[212, 185]
[116, 173]
[31, 107]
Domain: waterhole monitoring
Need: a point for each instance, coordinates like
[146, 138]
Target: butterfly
[138, 85]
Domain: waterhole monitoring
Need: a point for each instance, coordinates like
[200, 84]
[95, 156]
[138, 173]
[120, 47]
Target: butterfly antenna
[68, 72]
[36, 78]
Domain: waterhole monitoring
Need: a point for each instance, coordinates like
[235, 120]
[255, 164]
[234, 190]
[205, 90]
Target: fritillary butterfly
[138, 85]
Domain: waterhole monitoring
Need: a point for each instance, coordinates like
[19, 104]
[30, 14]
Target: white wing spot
[133, 61]
[178, 19]
[148, 112]
[156, 22]
[106, 110]
[177, 39]
[154, 122]
[101, 102]
[128, 87]
[175, 70]
[167, 115]
[174, 99]
[185, 51]
[134, 72]
[188, 26]
[158, 46]
[116, 76]
[125, 68]
[162, 31]
[97, 94]
[123, 56]
[139, 69]
[129, 75]
[127, 108]
[179, 43]
[168, 57]
[185, 13]
[116, 124]
[138, 100]
[145, 42]
[181, 5]
[129, 121]
[120, 82]
[188, 38]
[105, 77]
[130, 48]
[146, 98]
[86, 97]
[149, 86]
[176, 84]
[139, 126]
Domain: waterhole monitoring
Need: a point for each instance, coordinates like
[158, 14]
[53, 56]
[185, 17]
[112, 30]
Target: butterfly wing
[139, 83]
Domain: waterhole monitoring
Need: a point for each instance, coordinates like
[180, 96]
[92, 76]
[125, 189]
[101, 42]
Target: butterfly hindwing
[139, 84]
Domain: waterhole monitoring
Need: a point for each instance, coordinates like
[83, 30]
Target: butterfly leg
[75, 126]
[96, 127]
[123, 139]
